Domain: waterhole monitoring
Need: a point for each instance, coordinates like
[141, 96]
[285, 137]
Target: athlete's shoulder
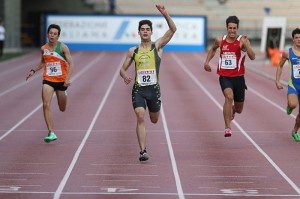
[45, 46]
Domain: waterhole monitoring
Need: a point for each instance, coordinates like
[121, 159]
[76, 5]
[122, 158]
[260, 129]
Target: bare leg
[297, 121]
[227, 107]
[154, 117]
[47, 93]
[140, 127]
[61, 100]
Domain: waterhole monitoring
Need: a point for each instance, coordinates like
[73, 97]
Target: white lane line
[231, 176]
[20, 122]
[39, 106]
[121, 165]
[185, 68]
[24, 173]
[271, 77]
[269, 101]
[76, 156]
[160, 194]
[172, 156]
[120, 175]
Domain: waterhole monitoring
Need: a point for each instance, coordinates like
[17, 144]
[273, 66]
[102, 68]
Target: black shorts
[237, 84]
[146, 96]
[56, 85]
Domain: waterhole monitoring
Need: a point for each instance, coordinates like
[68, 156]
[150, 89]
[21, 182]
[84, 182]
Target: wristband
[32, 71]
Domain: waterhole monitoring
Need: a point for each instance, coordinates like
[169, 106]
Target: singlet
[232, 58]
[147, 65]
[294, 63]
[55, 69]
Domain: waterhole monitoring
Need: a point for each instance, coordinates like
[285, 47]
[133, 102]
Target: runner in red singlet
[231, 69]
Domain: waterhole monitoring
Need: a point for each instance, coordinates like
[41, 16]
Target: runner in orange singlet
[58, 68]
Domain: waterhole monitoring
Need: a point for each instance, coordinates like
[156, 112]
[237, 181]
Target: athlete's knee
[154, 118]
[46, 105]
[292, 105]
[140, 116]
[239, 110]
[62, 108]
[229, 98]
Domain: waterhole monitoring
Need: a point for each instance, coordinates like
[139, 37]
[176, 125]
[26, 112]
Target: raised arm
[161, 42]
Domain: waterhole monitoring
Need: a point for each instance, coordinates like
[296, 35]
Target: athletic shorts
[56, 85]
[146, 96]
[237, 84]
[293, 90]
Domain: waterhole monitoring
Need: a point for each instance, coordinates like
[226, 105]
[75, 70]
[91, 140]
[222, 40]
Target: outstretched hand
[29, 74]
[161, 9]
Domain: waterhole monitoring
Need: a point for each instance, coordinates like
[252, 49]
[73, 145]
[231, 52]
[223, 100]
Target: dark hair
[232, 19]
[296, 31]
[54, 26]
[148, 22]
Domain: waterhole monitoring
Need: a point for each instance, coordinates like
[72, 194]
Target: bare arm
[38, 66]
[67, 53]
[128, 61]
[246, 45]
[211, 53]
[161, 42]
[285, 56]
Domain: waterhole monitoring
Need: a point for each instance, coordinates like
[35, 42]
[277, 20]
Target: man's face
[53, 35]
[296, 40]
[145, 32]
[232, 30]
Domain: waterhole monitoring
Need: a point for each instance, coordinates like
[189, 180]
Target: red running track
[96, 154]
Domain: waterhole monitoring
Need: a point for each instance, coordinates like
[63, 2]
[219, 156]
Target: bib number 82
[146, 78]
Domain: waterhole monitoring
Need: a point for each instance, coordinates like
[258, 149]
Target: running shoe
[51, 137]
[227, 132]
[296, 136]
[143, 155]
[288, 110]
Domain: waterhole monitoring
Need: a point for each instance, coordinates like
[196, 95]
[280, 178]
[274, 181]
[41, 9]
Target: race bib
[228, 62]
[296, 70]
[146, 77]
[53, 69]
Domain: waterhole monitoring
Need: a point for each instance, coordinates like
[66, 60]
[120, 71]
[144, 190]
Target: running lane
[96, 154]
[257, 161]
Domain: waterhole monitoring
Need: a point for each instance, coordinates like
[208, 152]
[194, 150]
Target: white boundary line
[172, 156]
[76, 156]
[149, 194]
[182, 65]
[40, 105]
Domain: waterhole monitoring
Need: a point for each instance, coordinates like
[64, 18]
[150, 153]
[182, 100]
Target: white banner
[191, 31]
